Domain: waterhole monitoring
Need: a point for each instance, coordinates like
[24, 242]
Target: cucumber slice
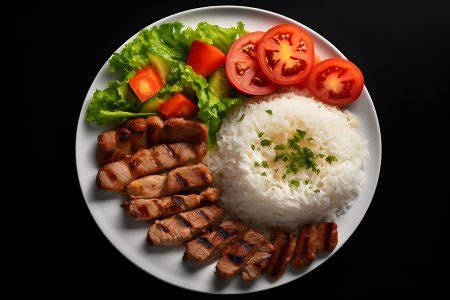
[161, 66]
[219, 85]
[151, 106]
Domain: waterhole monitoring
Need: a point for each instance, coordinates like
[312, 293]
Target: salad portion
[204, 72]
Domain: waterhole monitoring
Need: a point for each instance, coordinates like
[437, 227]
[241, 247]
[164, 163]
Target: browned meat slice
[207, 247]
[116, 176]
[184, 226]
[306, 248]
[256, 266]
[177, 180]
[235, 257]
[148, 209]
[284, 244]
[142, 133]
[327, 236]
[176, 129]
[112, 145]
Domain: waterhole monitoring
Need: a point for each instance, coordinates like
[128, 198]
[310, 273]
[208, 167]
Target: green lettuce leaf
[215, 35]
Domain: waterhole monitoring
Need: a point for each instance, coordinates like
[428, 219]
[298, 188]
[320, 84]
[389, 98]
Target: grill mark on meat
[205, 242]
[181, 181]
[183, 221]
[237, 260]
[247, 245]
[222, 232]
[202, 214]
[110, 174]
[162, 227]
[177, 202]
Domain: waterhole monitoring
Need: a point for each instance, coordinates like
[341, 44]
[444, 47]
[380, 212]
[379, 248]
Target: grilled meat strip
[305, 251]
[284, 244]
[115, 177]
[236, 256]
[327, 236]
[112, 145]
[256, 266]
[148, 209]
[207, 247]
[184, 226]
[312, 239]
[177, 180]
[142, 133]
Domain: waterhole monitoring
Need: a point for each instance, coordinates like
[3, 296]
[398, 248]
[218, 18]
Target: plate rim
[110, 237]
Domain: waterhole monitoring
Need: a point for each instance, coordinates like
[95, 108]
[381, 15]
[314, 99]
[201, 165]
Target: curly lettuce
[170, 42]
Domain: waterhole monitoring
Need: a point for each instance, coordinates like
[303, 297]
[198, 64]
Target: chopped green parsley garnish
[320, 155]
[269, 111]
[253, 147]
[257, 164]
[306, 181]
[265, 164]
[284, 176]
[301, 134]
[266, 143]
[279, 147]
[241, 118]
[330, 159]
[295, 183]
[260, 134]
[263, 174]
[310, 138]
[317, 191]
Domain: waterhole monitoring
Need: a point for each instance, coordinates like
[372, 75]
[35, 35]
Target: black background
[402, 47]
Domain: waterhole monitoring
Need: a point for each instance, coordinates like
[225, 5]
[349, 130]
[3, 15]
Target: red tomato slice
[242, 67]
[178, 106]
[336, 81]
[286, 54]
[204, 58]
[146, 83]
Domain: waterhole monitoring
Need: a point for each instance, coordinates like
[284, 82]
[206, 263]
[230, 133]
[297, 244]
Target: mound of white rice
[269, 201]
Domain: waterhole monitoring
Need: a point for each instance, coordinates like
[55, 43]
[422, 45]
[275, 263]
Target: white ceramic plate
[165, 263]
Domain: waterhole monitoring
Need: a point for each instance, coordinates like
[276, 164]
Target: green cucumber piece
[219, 85]
[161, 66]
[151, 105]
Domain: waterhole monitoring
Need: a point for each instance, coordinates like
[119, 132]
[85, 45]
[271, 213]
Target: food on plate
[115, 177]
[336, 81]
[183, 226]
[146, 83]
[284, 245]
[236, 256]
[178, 106]
[177, 180]
[257, 264]
[204, 58]
[286, 54]
[312, 239]
[141, 133]
[243, 69]
[207, 247]
[287, 159]
[148, 209]
[114, 144]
